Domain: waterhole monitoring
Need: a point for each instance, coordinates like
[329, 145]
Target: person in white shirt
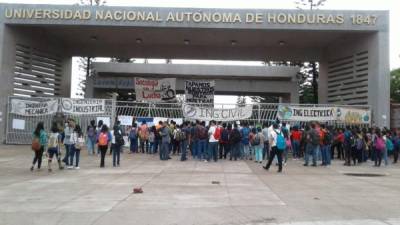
[213, 141]
[273, 139]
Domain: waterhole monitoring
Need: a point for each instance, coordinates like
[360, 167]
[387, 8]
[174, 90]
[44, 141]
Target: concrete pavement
[182, 193]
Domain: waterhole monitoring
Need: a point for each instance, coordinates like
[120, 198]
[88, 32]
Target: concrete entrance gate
[38, 41]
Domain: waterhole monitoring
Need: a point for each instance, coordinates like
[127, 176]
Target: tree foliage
[395, 85]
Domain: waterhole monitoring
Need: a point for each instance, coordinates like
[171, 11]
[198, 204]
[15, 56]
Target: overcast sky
[392, 5]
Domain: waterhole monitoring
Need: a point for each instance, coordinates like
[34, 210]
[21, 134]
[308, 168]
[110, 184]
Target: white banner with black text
[210, 113]
[83, 106]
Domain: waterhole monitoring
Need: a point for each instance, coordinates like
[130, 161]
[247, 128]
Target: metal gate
[15, 135]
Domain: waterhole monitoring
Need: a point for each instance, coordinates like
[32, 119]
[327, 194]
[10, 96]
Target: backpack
[103, 139]
[217, 133]
[389, 144]
[180, 135]
[360, 144]
[36, 144]
[280, 141]
[225, 136]
[133, 134]
[53, 140]
[202, 133]
[315, 138]
[119, 139]
[245, 135]
[379, 144]
[327, 138]
[91, 132]
[143, 133]
[235, 136]
[256, 140]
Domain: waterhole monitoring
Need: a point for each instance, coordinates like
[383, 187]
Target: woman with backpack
[39, 143]
[98, 129]
[78, 142]
[104, 138]
[258, 144]
[91, 137]
[379, 147]
[53, 147]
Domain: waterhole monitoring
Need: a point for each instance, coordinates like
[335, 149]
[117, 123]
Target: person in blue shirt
[244, 134]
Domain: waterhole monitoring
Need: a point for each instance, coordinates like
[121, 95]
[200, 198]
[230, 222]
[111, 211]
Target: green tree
[395, 85]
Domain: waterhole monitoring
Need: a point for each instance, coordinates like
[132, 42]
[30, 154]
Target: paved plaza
[184, 193]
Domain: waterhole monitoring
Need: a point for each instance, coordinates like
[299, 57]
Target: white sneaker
[77, 168]
[70, 167]
[205, 161]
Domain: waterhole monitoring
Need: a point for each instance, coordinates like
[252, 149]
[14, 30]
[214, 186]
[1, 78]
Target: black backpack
[225, 135]
[119, 139]
[235, 136]
[327, 138]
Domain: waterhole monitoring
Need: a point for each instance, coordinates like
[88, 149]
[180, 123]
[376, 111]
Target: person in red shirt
[296, 138]
[339, 140]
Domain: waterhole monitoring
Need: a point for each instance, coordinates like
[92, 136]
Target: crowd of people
[313, 142]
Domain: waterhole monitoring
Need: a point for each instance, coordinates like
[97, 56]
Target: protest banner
[33, 108]
[155, 90]
[209, 113]
[83, 106]
[304, 113]
[353, 115]
[199, 91]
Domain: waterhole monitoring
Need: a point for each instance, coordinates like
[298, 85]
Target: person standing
[326, 146]
[348, 144]
[234, 140]
[54, 147]
[69, 129]
[202, 137]
[104, 138]
[185, 140]
[245, 133]
[214, 136]
[152, 139]
[133, 135]
[278, 145]
[39, 142]
[165, 141]
[296, 138]
[224, 147]
[265, 132]
[91, 137]
[379, 147]
[118, 139]
[144, 137]
[99, 126]
[312, 145]
[78, 142]
[258, 144]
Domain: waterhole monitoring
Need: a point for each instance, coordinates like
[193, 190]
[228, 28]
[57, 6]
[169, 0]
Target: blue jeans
[91, 143]
[194, 148]
[235, 151]
[246, 151]
[258, 153]
[164, 151]
[265, 153]
[213, 151]
[67, 154]
[183, 147]
[116, 154]
[385, 156]
[151, 149]
[201, 149]
[326, 154]
[155, 147]
[71, 155]
[296, 149]
[311, 150]
[133, 145]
